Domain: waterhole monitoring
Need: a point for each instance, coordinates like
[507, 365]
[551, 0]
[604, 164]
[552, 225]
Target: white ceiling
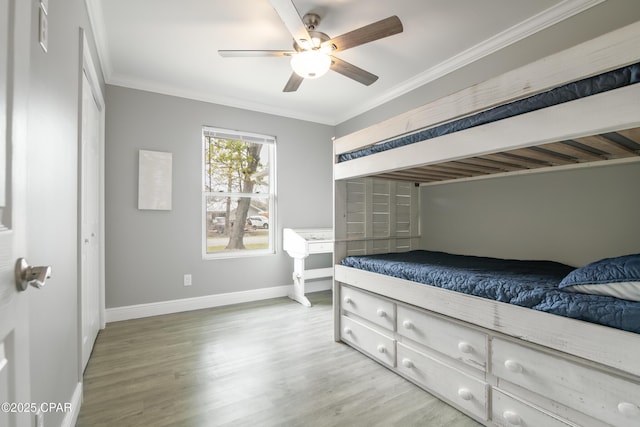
[170, 47]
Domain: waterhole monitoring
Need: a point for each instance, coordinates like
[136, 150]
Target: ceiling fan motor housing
[317, 38]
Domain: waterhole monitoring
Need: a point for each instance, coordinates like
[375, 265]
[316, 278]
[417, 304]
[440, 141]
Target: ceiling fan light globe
[310, 64]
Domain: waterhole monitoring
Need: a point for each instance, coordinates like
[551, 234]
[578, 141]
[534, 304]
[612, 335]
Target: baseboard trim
[71, 417]
[139, 311]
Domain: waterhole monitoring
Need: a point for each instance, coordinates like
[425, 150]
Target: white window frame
[271, 196]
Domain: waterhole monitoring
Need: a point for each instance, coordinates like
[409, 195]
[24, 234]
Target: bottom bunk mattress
[531, 284]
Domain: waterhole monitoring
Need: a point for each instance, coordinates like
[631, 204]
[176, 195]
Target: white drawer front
[454, 340]
[320, 247]
[605, 397]
[374, 343]
[467, 392]
[375, 309]
[507, 411]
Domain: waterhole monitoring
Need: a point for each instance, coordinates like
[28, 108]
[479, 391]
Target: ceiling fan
[313, 51]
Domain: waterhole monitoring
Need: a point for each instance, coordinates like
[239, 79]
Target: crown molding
[232, 102]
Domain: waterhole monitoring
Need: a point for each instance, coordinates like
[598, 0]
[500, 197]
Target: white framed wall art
[154, 180]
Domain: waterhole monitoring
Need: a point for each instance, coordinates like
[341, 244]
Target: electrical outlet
[187, 280]
[39, 418]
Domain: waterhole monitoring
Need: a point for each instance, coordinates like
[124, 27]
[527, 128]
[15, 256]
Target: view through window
[238, 193]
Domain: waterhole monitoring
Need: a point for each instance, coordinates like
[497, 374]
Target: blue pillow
[618, 277]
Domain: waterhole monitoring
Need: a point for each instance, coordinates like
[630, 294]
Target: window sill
[240, 253]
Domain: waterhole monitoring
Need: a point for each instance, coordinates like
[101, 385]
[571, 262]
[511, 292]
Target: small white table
[299, 244]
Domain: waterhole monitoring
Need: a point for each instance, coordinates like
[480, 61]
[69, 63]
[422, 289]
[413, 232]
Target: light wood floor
[268, 363]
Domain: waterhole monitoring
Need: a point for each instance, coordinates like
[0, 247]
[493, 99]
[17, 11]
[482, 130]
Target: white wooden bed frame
[533, 368]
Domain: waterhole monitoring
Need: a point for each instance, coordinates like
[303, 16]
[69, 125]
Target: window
[238, 193]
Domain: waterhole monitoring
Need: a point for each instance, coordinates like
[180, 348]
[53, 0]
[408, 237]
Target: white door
[90, 219]
[15, 27]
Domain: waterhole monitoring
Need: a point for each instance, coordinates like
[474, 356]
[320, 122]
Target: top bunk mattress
[531, 284]
[600, 83]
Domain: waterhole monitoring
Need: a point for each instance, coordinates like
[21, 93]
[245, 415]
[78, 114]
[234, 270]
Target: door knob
[27, 275]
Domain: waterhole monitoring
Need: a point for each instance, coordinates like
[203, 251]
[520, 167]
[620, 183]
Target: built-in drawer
[508, 411]
[374, 343]
[603, 396]
[467, 392]
[455, 340]
[368, 306]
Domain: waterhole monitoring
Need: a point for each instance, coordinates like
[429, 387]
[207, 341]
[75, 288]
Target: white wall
[52, 219]
[148, 252]
[574, 217]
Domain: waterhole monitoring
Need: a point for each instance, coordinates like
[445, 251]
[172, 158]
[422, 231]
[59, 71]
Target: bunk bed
[503, 354]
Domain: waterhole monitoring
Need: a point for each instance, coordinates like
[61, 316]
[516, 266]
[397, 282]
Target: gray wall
[148, 252]
[52, 203]
[574, 217]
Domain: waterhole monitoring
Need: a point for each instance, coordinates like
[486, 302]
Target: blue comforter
[532, 284]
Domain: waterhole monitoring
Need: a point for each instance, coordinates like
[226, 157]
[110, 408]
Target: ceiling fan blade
[292, 20]
[378, 30]
[353, 72]
[254, 53]
[293, 84]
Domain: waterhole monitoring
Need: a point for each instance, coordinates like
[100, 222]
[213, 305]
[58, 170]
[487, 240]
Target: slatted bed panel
[381, 216]
[623, 144]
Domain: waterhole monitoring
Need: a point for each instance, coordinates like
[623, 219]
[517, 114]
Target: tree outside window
[238, 193]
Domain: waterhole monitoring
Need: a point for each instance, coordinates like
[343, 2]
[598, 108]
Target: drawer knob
[381, 348]
[407, 363]
[512, 366]
[465, 347]
[628, 409]
[347, 300]
[465, 394]
[347, 331]
[512, 418]
[407, 324]
[381, 313]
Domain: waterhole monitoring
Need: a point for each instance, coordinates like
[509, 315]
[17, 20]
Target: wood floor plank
[266, 363]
